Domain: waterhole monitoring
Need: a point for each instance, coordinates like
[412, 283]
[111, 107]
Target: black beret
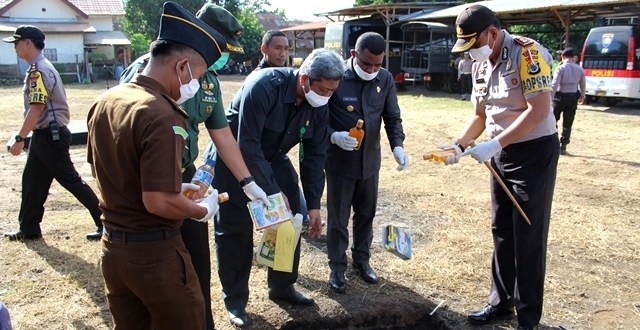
[471, 22]
[222, 21]
[180, 26]
[25, 32]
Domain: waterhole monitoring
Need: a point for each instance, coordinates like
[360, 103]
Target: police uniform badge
[209, 109]
[33, 79]
[378, 89]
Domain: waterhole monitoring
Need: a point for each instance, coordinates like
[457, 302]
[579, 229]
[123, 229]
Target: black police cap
[25, 32]
[469, 24]
[180, 26]
[567, 52]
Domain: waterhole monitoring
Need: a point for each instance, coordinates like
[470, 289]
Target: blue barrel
[117, 71]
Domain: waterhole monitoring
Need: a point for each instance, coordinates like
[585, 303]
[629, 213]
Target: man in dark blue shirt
[274, 111]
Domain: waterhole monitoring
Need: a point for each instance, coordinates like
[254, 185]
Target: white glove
[344, 141]
[189, 186]
[452, 158]
[211, 204]
[254, 192]
[484, 151]
[401, 158]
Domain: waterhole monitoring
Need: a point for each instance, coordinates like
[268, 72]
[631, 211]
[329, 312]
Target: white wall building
[73, 29]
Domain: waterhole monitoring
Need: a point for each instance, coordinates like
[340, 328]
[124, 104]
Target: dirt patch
[593, 262]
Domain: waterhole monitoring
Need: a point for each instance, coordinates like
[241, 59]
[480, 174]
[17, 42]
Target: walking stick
[504, 186]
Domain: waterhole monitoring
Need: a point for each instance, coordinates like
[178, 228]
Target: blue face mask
[220, 63]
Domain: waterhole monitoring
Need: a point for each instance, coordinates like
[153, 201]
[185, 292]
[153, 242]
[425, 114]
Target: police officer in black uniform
[274, 111]
[47, 115]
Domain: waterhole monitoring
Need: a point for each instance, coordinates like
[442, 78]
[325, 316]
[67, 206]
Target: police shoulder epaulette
[523, 41]
[33, 67]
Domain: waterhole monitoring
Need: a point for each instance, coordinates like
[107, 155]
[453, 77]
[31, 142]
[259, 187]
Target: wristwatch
[19, 138]
[246, 181]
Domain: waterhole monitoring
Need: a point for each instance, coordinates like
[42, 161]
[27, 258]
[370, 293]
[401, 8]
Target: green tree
[139, 44]
[143, 16]
[251, 37]
[552, 37]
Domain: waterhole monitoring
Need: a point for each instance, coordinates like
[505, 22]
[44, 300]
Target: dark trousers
[342, 193]
[196, 239]
[565, 104]
[48, 160]
[234, 238]
[465, 84]
[519, 256]
[151, 285]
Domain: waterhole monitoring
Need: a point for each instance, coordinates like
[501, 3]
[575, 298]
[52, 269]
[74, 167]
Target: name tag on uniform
[349, 99]
[480, 81]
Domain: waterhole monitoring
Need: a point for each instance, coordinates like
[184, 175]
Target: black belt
[158, 235]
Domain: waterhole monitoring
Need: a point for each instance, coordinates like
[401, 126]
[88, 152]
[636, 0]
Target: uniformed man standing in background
[274, 111]
[512, 100]
[275, 49]
[464, 76]
[568, 86]
[137, 135]
[47, 115]
[367, 92]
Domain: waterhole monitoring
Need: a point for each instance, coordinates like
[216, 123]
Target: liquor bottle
[358, 133]
[439, 155]
[203, 178]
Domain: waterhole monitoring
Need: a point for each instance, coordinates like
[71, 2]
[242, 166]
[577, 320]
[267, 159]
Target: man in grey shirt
[565, 85]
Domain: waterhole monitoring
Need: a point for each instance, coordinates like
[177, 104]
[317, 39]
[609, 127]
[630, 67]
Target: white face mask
[364, 75]
[483, 53]
[187, 91]
[315, 100]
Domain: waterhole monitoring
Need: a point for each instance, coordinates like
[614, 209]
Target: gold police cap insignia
[350, 108]
[459, 30]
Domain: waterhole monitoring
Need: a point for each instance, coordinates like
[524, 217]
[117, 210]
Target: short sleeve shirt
[42, 85]
[136, 139]
[521, 72]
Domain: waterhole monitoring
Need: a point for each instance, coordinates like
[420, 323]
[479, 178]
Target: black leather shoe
[239, 318]
[364, 270]
[96, 235]
[337, 282]
[488, 314]
[18, 235]
[291, 296]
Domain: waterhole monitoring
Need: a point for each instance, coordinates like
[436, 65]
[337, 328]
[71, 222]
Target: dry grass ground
[593, 258]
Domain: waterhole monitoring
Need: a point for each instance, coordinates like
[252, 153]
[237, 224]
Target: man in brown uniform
[136, 140]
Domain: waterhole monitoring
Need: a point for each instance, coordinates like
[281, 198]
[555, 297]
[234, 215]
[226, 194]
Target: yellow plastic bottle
[357, 132]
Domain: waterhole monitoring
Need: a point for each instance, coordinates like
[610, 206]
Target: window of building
[50, 54]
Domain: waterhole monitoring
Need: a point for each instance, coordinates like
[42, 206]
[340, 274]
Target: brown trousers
[151, 285]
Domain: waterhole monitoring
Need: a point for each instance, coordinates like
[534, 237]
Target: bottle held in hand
[358, 133]
[203, 178]
[439, 155]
